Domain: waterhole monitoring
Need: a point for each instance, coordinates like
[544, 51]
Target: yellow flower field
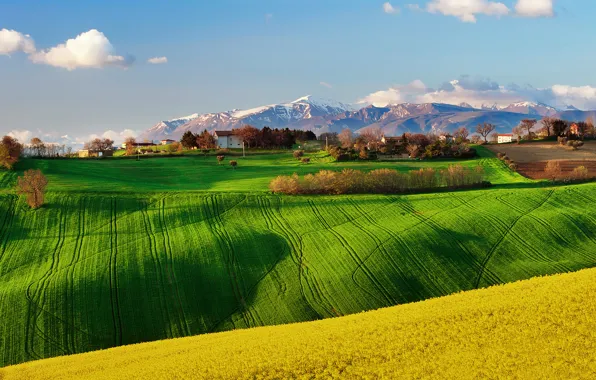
[540, 328]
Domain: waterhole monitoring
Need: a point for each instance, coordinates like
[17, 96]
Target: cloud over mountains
[478, 91]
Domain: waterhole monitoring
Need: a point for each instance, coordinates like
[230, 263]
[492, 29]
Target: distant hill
[540, 328]
[320, 115]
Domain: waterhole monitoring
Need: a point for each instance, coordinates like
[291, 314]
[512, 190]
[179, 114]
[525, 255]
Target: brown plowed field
[535, 170]
[531, 158]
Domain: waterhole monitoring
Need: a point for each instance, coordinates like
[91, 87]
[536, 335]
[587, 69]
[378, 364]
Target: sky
[81, 68]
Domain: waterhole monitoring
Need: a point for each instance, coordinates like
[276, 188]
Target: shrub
[285, 185]
[33, 184]
[234, 164]
[220, 158]
[351, 181]
[363, 155]
[552, 170]
[500, 155]
[513, 166]
[298, 154]
[580, 173]
[505, 157]
[305, 160]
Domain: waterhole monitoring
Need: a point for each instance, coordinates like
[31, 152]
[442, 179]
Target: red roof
[506, 134]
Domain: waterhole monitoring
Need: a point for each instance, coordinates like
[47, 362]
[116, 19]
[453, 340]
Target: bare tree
[345, 138]
[37, 146]
[461, 134]
[518, 132]
[528, 124]
[33, 184]
[372, 136]
[547, 125]
[484, 130]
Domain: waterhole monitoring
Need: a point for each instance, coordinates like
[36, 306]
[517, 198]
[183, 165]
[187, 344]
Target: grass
[541, 328]
[92, 271]
[198, 173]
[130, 251]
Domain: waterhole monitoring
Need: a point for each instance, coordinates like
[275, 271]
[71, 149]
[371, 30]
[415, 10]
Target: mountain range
[321, 115]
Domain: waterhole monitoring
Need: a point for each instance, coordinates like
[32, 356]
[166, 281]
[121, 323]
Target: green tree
[189, 140]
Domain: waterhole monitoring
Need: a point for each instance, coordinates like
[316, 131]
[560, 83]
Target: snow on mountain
[323, 115]
[275, 116]
[531, 108]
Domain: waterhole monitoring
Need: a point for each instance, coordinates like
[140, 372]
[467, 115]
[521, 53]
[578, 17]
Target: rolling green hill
[543, 328]
[195, 172]
[117, 257]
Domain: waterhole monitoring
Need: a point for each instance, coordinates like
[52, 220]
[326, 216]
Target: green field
[128, 251]
[196, 172]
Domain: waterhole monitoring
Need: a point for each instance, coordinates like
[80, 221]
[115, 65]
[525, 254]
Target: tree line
[379, 181]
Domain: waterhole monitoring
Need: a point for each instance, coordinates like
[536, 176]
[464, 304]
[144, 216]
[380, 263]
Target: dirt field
[532, 157]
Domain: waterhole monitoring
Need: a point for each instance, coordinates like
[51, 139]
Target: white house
[167, 142]
[227, 139]
[505, 138]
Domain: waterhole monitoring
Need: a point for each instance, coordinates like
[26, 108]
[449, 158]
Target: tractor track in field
[113, 275]
[71, 269]
[380, 245]
[490, 254]
[158, 271]
[36, 299]
[227, 250]
[530, 248]
[7, 222]
[356, 222]
[396, 236]
[290, 236]
[168, 249]
[349, 249]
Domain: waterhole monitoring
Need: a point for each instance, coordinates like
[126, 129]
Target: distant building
[505, 138]
[87, 153]
[394, 140]
[167, 142]
[227, 139]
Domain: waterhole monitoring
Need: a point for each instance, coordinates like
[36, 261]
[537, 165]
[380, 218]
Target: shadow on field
[154, 295]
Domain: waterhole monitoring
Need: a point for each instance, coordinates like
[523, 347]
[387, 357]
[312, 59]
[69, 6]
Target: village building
[227, 139]
[88, 153]
[505, 138]
[393, 140]
[167, 142]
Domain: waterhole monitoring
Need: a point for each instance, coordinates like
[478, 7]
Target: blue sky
[239, 54]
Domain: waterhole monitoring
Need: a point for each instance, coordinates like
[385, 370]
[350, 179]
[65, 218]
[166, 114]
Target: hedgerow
[379, 181]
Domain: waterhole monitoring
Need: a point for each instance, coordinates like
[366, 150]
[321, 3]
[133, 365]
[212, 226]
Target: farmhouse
[394, 140]
[446, 138]
[88, 153]
[227, 139]
[167, 142]
[505, 138]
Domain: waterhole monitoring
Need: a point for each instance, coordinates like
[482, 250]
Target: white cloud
[90, 49]
[24, 136]
[390, 9]
[479, 91]
[325, 84]
[12, 41]
[534, 8]
[466, 10]
[394, 95]
[158, 60]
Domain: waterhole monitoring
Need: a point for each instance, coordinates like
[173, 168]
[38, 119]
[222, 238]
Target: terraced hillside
[540, 328]
[97, 270]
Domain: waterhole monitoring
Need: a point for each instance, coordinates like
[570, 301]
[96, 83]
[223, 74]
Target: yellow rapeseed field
[540, 328]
